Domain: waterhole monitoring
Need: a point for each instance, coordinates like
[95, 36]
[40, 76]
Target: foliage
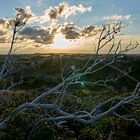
[22, 126]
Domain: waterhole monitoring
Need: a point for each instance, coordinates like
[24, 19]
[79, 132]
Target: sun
[60, 42]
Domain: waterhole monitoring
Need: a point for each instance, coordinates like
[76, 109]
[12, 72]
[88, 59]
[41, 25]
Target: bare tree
[10, 65]
[57, 111]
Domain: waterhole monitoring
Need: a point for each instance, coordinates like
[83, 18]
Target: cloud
[4, 30]
[89, 31]
[65, 10]
[6, 24]
[70, 31]
[25, 12]
[46, 36]
[117, 17]
[36, 30]
[37, 35]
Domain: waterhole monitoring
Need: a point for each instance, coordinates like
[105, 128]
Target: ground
[43, 71]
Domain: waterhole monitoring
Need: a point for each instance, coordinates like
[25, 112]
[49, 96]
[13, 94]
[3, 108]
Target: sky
[72, 22]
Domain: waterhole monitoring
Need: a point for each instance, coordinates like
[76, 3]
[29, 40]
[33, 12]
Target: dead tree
[58, 112]
[10, 66]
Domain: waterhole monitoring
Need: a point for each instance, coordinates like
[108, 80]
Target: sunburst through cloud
[70, 70]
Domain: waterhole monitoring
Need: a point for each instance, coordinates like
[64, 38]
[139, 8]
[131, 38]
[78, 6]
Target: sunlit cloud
[38, 36]
[25, 12]
[65, 10]
[117, 17]
[46, 30]
[4, 30]
[46, 35]
[70, 31]
[6, 24]
[66, 31]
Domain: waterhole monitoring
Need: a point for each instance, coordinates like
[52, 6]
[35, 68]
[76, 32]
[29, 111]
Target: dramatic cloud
[5, 24]
[46, 35]
[89, 31]
[65, 10]
[4, 30]
[26, 12]
[37, 35]
[117, 17]
[70, 31]
[37, 31]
